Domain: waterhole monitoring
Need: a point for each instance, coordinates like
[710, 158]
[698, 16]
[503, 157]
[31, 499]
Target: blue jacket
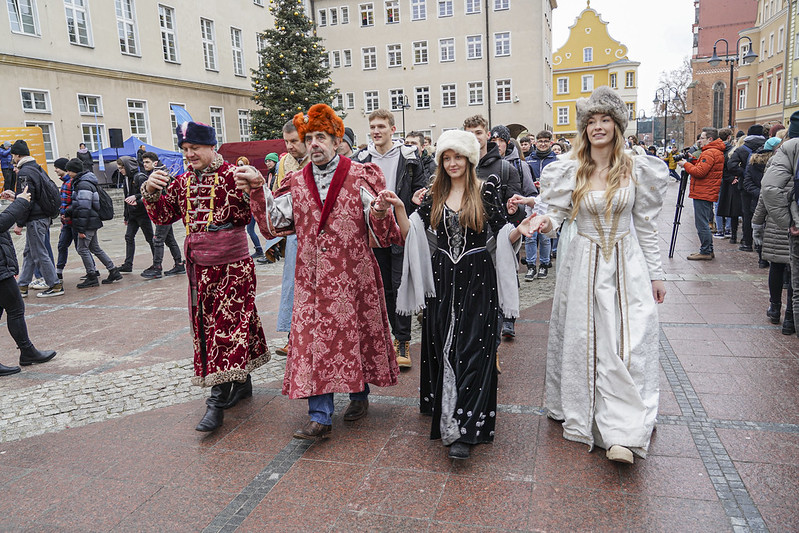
[5, 158]
[537, 164]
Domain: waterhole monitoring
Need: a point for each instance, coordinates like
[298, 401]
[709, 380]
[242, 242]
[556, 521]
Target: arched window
[718, 104]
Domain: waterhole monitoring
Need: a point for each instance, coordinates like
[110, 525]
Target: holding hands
[418, 196]
[535, 223]
[385, 200]
[516, 200]
[248, 178]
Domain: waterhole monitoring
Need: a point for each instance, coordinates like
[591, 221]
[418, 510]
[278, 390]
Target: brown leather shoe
[284, 351]
[701, 257]
[403, 351]
[356, 409]
[313, 430]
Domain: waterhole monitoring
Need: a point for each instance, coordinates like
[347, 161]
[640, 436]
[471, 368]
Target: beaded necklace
[210, 204]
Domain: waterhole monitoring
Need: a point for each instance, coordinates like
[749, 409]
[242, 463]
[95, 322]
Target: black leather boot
[773, 312]
[32, 356]
[214, 412]
[788, 327]
[8, 370]
[238, 391]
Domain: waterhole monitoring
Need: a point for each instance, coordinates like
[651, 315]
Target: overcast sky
[657, 34]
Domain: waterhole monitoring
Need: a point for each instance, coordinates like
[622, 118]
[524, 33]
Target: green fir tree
[292, 76]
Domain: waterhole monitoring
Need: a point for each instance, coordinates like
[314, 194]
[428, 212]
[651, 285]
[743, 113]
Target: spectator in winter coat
[753, 175]
[85, 157]
[539, 245]
[7, 166]
[416, 138]
[736, 164]
[67, 236]
[134, 212]
[163, 235]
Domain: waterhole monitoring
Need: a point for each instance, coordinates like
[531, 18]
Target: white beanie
[462, 142]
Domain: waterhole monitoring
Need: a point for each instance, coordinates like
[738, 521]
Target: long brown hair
[471, 212]
[621, 166]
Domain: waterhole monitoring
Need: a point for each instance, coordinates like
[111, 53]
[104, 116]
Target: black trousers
[748, 211]
[9, 179]
[777, 273]
[134, 223]
[391, 272]
[11, 302]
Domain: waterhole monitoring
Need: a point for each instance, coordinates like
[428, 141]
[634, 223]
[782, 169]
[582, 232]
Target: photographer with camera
[705, 175]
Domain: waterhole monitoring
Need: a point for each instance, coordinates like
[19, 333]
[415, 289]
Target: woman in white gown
[602, 355]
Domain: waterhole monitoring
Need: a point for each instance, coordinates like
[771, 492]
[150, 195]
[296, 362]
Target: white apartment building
[75, 66]
[440, 61]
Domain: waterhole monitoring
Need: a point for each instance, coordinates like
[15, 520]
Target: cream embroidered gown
[602, 355]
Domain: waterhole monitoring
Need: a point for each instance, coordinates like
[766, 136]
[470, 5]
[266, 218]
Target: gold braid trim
[234, 374]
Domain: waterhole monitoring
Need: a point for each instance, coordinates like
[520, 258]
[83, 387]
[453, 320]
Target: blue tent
[173, 160]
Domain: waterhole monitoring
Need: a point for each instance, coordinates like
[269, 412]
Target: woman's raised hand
[418, 196]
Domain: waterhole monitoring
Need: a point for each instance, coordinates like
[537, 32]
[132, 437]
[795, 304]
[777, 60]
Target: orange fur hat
[320, 117]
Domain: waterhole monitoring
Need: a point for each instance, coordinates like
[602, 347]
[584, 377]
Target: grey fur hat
[462, 142]
[603, 100]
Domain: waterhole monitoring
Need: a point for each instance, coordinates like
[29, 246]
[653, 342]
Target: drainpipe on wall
[488, 65]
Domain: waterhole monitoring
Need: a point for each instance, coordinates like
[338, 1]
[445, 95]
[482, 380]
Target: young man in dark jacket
[416, 138]
[36, 223]
[539, 246]
[84, 214]
[163, 235]
[135, 214]
[736, 164]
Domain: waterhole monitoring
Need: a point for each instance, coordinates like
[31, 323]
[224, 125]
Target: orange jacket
[706, 172]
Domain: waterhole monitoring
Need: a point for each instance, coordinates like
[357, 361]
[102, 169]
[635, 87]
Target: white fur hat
[605, 101]
[462, 142]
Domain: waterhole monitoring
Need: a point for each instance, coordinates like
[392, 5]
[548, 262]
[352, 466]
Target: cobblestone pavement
[101, 438]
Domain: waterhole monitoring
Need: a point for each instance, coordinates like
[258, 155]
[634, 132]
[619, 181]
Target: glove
[758, 230]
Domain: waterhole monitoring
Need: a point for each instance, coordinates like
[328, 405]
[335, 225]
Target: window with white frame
[394, 55]
[78, 25]
[420, 52]
[502, 44]
[137, 116]
[333, 12]
[126, 27]
[472, 7]
[588, 54]
[209, 43]
[795, 90]
[587, 83]
[347, 57]
[500, 5]
[742, 97]
[771, 44]
[35, 101]
[396, 99]
[629, 80]
[218, 123]
[503, 91]
[89, 104]
[350, 99]
[48, 136]
[474, 47]
[418, 9]
[392, 11]
[448, 95]
[169, 40]
[258, 2]
[336, 58]
[345, 15]
[174, 123]
[337, 102]
[260, 41]
[476, 93]
[23, 16]
[325, 60]
[322, 17]
[444, 8]
[369, 58]
[563, 85]
[367, 14]
[90, 133]
[563, 115]
[446, 50]
[780, 39]
[630, 111]
[371, 101]
[614, 80]
[422, 97]
[244, 125]
[238, 52]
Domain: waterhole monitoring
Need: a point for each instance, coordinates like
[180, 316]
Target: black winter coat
[410, 174]
[736, 164]
[8, 255]
[492, 163]
[84, 211]
[131, 185]
[86, 159]
[729, 195]
[30, 175]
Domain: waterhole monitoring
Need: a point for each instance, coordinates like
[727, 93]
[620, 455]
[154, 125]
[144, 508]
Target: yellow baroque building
[590, 58]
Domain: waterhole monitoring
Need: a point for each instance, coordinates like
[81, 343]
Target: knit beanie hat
[196, 133]
[61, 163]
[755, 129]
[271, 157]
[739, 134]
[74, 165]
[20, 148]
[461, 142]
[771, 144]
[793, 126]
[500, 132]
[349, 138]
[605, 101]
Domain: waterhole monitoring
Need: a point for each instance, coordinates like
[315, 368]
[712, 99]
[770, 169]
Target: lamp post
[731, 61]
[641, 116]
[664, 93]
[405, 105]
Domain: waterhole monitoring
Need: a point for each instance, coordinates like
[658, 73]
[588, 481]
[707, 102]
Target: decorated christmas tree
[292, 75]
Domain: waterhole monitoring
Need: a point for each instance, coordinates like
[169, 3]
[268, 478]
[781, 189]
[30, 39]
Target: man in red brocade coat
[340, 338]
[228, 339]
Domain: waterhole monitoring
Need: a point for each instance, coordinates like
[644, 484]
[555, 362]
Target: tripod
[678, 211]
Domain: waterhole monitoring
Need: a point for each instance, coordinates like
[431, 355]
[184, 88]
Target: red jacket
[706, 172]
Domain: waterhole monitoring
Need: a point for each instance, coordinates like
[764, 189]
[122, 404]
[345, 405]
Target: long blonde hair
[471, 212]
[621, 166]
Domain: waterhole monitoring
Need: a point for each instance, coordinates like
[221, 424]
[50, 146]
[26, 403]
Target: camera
[680, 157]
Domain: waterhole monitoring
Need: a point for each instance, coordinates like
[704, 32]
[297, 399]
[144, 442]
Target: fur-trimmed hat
[500, 132]
[20, 147]
[462, 142]
[605, 101]
[320, 117]
[196, 133]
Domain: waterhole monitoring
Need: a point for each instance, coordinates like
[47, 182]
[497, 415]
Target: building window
[780, 39]
[394, 55]
[333, 16]
[742, 97]
[502, 44]
[338, 102]
[350, 98]
[347, 58]
[563, 85]
[501, 5]
[397, 99]
[367, 15]
[771, 44]
[345, 15]
[137, 115]
[614, 80]
[218, 123]
[420, 53]
[322, 17]
[588, 83]
[472, 7]
[629, 80]
[563, 116]
[48, 136]
[23, 16]
[759, 93]
[371, 101]
[778, 90]
[795, 90]
[718, 105]
[392, 11]
[448, 95]
[78, 22]
[444, 8]
[260, 42]
[35, 101]
[325, 60]
[90, 105]
[169, 41]
[90, 133]
[446, 49]
[126, 27]
[763, 50]
[244, 125]
[418, 9]
[422, 97]
[238, 52]
[588, 54]
[209, 43]
[474, 47]
[259, 3]
[503, 91]
[336, 55]
[475, 93]
[768, 91]
[174, 123]
[630, 111]
[369, 58]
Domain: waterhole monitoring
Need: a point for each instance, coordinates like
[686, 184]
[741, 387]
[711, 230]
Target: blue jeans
[723, 224]
[320, 408]
[287, 287]
[703, 213]
[38, 253]
[535, 244]
[254, 236]
[36, 273]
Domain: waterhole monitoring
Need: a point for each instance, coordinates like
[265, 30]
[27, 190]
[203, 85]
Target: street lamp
[664, 93]
[731, 61]
[641, 116]
[405, 105]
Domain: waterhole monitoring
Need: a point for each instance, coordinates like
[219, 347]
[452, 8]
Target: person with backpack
[135, 214]
[87, 210]
[736, 164]
[43, 205]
